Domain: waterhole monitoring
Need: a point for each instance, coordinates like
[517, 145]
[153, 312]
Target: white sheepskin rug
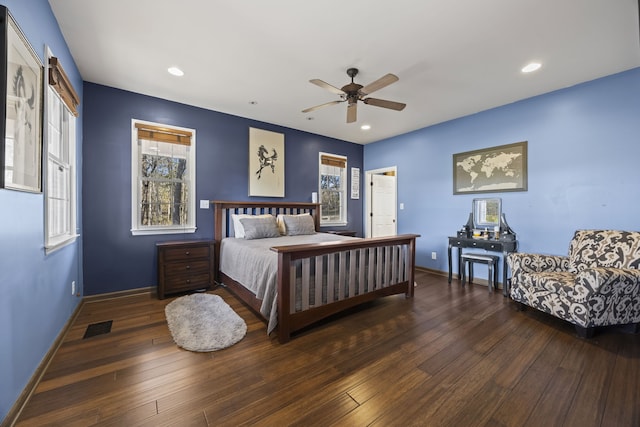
[204, 322]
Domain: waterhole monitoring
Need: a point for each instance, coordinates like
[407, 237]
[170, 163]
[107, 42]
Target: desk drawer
[481, 244]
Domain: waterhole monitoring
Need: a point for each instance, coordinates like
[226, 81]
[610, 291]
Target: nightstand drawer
[189, 282]
[186, 253]
[190, 267]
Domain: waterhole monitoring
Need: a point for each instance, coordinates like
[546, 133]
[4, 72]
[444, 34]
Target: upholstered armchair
[597, 284]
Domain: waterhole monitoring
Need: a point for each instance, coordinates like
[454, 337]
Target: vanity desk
[494, 245]
[486, 229]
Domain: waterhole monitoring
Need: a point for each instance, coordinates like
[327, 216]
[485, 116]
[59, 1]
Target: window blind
[59, 81]
[339, 162]
[160, 134]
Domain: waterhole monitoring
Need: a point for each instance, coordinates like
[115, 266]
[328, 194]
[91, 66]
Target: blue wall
[583, 156]
[114, 260]
[583, 169]
[36, 288]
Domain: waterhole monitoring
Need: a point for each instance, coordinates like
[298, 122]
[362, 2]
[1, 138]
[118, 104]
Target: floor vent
[98, 329]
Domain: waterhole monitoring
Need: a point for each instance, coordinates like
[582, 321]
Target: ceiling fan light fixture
[531, 67]
[353, 92]
[175, 71]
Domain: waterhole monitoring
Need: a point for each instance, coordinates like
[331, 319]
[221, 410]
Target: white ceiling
[453, 58]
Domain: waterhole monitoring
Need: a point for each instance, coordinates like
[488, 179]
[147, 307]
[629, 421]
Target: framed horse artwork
[266, 163]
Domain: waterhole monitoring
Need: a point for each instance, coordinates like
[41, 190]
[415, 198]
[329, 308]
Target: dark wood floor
[451, 356]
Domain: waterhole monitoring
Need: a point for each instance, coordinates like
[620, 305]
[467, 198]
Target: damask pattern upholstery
[597, 284]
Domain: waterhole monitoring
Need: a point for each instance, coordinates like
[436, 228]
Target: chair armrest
[536, 263]
[606, 281]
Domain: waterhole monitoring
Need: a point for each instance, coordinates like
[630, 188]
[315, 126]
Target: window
[60, 190]
[333, 189]
[163, 179]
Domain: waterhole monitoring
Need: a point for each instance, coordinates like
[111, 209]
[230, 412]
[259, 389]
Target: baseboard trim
[432, 271]
[30, 388]
[152, 290]
[476, 280]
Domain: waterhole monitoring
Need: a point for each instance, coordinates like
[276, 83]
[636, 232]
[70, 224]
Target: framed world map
[491, 170]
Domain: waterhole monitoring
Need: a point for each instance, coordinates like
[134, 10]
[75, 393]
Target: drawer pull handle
[188, 267]
[187, 253]
[188, 280]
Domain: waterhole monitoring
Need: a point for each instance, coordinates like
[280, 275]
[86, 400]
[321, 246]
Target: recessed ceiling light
[175, 71]
[365, 127]
[531, 67]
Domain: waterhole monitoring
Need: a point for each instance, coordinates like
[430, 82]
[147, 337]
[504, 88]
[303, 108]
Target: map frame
[498, 184]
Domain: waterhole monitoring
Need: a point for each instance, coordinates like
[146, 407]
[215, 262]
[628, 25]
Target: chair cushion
[549, 292]
[480, 258]
[604, 248]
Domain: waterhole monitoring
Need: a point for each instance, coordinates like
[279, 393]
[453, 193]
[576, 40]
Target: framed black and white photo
[266, 163]
[21, 124]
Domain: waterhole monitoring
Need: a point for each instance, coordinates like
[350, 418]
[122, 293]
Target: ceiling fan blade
[352, 112]
[398, 106]
[379, 84]
[326, 104]
[327, 86]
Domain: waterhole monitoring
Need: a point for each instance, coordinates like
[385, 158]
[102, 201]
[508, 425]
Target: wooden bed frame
[384, 266]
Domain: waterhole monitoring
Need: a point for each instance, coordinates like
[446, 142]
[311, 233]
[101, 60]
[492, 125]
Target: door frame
[367, 196]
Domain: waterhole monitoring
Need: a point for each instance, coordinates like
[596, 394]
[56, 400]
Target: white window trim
[343, 206]
[53, 244]
[136, 230]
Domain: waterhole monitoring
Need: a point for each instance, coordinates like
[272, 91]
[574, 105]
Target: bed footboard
[316, 281]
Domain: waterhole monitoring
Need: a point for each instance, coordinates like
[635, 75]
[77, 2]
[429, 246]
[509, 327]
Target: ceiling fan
[353, 92]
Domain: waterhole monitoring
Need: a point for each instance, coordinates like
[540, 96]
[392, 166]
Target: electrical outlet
[434, 255]
[73, 287]
[204, 204]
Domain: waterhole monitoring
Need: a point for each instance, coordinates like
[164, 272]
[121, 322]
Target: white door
[383, 205]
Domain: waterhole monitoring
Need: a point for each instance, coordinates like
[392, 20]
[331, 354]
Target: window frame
[343, 190]
[67, 161]
[137, 229]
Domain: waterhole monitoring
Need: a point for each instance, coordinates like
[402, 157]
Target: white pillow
[294, 225]
[238, 229]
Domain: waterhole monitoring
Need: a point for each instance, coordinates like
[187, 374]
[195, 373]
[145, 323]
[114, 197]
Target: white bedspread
[253, 264]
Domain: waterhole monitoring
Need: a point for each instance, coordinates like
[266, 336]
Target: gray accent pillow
[299, 224]
[260, 227]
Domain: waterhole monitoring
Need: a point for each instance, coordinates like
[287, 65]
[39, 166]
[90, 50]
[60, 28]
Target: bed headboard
[222, 217]
[222, 213]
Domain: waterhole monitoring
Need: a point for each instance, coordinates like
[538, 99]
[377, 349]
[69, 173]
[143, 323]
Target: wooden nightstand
[184, 266]
[343, 232]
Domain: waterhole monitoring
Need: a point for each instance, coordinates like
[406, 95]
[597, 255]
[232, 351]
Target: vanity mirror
[487, 213]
